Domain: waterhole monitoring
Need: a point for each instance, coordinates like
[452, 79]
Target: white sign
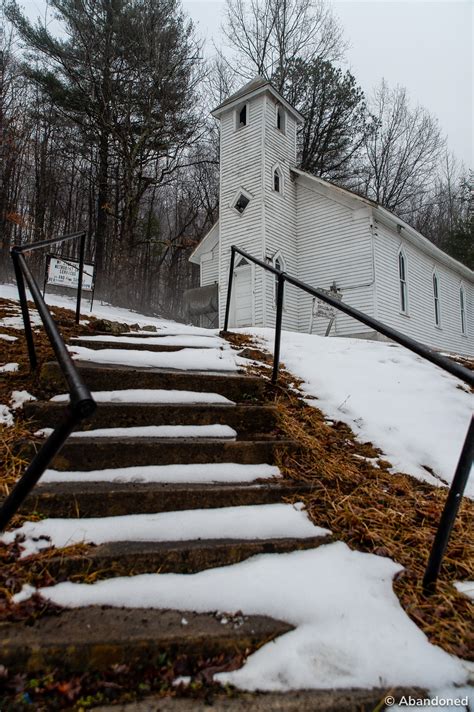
[324, 309]
[66, 274]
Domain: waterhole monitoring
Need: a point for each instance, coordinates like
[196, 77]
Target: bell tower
[257, 208]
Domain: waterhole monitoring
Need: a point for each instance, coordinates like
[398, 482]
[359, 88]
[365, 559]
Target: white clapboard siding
[241, 167]
[419, 322]
[210, 267]
[280, 211]
[334, 244]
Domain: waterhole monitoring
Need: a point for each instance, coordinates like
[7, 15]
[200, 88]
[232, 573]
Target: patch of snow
[9, 368]
[26, 592]
[144, 395]
[182, 680]
[263, 521]
[465, 587]
[154, 431]
[413, 411]
[16, 322]
[7, 337]
[20, 397]
[350, 630]
[184, 360]
[208, 473]
[6, 417]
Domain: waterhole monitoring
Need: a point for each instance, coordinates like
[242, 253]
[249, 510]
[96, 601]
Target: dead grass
[374, 511]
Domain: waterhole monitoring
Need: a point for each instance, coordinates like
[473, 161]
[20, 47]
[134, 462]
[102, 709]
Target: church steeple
[257, 194]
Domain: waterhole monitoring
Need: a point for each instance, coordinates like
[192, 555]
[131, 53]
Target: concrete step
[130, 345]
[131, 558]
[107, 499]
[89, 453]
[243, 418]
[353, 700]
[236, 386]
[96, 637]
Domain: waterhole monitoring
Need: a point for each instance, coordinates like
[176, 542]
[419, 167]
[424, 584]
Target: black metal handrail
[463, 469]
[81, 405]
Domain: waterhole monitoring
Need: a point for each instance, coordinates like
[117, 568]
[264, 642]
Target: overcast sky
[423, 45]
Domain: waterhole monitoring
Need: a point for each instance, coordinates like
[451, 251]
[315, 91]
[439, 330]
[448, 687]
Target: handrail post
[229, 288]
[82, 250]
[279, 316]
[24, 309]
[451, 507]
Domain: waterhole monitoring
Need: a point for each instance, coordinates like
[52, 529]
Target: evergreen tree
[124, 73]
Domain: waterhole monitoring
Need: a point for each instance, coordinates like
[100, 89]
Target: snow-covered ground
[417, 414]
[350, 630]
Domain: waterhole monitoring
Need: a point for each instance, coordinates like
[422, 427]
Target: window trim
[436, 299]
[462, 309]
[402, 281]
[235, 198]
[279, 110]
[238, 110]
[276, 168]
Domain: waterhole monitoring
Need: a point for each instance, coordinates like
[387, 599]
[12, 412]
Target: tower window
[277, 180]
[241, 203]
[280, 118]
[241, 116]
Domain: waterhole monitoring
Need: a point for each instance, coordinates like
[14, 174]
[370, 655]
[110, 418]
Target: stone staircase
[94, 638]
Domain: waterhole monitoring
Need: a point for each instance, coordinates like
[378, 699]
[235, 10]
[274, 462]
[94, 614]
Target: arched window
[402, 274]
[280, 118]
[437, 312]
[277, 181]
[241, 116]
[462, 308]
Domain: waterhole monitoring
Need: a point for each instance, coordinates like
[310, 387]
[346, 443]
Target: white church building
[323, 235]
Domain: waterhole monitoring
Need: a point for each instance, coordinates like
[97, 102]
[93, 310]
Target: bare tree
[402, 153]
[268, 35]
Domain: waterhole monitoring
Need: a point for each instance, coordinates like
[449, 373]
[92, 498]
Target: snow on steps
[98, 499]
[210, 359]
[96, 453]
[226, 522]
[242, 418]
[245, 522]
[159, 344]
[235, 386]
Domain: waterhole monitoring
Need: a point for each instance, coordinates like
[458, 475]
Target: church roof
[255, 87]
[386, 216]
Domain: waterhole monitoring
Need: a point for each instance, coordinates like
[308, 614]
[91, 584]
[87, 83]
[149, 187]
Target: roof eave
[195, 255]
